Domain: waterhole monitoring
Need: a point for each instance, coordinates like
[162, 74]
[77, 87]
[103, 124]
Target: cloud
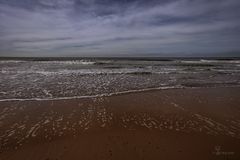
[107, 27]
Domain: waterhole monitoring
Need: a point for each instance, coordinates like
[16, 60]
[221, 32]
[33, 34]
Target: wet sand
[165, 124]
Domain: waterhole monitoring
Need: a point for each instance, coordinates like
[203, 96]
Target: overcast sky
[119, 27]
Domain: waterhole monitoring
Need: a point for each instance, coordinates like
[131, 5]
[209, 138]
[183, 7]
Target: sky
[119, 27]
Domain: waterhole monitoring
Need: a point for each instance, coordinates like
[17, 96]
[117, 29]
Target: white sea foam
[87, 71]
[209, 61]
[11, 61]
[74, 62]
[220, 61]
[189, 61]
[91, 96]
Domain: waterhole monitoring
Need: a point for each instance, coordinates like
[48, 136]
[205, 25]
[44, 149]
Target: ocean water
[27, 79]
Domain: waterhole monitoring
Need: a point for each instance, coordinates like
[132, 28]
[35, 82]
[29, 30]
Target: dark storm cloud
[115, 27]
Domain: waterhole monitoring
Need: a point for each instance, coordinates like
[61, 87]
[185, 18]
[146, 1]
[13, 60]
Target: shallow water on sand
[208, 112]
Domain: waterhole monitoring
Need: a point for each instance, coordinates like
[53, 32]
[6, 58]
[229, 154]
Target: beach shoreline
[198, 123]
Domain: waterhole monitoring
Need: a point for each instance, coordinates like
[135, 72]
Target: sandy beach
[119, 80]
[197, 123]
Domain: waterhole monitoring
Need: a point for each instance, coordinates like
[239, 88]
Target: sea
[66, 78]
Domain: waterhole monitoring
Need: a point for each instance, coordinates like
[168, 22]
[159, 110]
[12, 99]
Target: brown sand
[165, 124]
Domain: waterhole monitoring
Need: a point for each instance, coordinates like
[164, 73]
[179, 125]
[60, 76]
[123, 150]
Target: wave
[226, 70]
[208, 61]
[88, 72]
[93, 96]
[11, 61]
[217, 61]
[73, 62]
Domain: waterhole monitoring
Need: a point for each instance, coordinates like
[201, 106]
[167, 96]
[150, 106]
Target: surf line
[90, 96]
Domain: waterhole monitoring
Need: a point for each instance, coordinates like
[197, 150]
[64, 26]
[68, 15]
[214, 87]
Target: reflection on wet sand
[195, 114]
